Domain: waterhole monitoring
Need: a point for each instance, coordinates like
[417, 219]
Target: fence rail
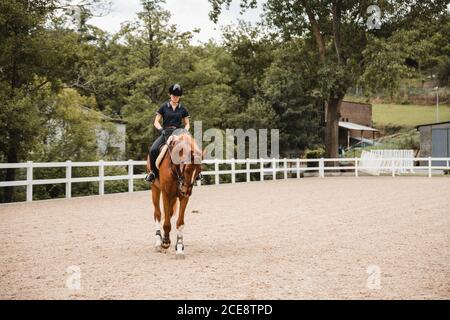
[294, 166]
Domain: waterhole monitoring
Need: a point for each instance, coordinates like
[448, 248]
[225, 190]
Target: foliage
[317, 153]
[59, 86]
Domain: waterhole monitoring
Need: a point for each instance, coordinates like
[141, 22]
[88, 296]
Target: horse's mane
[185, 141]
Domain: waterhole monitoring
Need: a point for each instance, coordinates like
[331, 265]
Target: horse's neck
[189, 141]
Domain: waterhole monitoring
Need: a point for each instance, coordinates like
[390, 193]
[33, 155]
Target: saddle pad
[163, 151]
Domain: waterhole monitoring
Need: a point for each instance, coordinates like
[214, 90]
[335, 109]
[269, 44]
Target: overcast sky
[187, 14]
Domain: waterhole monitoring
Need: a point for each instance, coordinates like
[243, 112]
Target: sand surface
[310, 238]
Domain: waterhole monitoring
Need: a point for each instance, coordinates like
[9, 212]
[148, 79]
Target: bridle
[177, 173]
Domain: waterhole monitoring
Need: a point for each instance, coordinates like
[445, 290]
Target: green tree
[209, 95]
[70, 125]
[251, 50]
[27, 55]
[152, 49]
[37, 58]
[290, 86]
[340, 34]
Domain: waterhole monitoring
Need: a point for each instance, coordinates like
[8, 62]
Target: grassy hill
[396, 123]
[407, 115]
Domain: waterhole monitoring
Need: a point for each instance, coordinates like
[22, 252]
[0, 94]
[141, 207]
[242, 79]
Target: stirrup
[150, 177]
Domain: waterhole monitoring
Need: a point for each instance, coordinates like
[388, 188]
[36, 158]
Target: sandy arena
[305, 238]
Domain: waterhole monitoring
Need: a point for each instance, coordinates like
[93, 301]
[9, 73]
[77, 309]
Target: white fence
[262, 167]
[374, 160]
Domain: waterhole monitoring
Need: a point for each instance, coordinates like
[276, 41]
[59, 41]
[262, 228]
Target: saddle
[163, 151]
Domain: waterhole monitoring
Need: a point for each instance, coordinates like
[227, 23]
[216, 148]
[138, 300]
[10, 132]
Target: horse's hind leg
[156, 194]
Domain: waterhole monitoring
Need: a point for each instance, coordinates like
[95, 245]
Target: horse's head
[187, 162]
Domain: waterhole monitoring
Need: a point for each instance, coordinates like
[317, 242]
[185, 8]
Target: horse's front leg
[156, 194]
[168, 207]
[179, 246]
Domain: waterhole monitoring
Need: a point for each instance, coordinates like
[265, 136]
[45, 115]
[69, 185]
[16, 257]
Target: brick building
[360, 113]
[355, 124]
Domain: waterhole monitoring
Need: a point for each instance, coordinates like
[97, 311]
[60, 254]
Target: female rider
[172, 113]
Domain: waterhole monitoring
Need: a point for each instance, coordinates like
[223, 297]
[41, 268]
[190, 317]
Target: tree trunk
[334, 104]
[332, 128]
[11, 173]
[336, 9]
[13, 136]
[315, 28]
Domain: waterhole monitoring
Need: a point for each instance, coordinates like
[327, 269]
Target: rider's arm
[157, 120]
[186, 123]
[186, 116]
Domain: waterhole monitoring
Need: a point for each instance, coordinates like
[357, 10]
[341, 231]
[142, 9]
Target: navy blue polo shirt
[171, 117]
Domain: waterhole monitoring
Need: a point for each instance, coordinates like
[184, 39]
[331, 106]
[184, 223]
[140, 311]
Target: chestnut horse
[178, 170]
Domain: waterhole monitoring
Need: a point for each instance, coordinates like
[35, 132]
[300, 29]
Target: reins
[177, 170]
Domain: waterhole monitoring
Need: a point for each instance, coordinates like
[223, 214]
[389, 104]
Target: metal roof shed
[357, 127]
[435, 140]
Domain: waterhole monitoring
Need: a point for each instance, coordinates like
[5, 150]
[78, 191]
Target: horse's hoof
[179, 251]
[165, 245]
[158, 243]
[179, 255]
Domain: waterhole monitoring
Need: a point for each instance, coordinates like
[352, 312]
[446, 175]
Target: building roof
[355, 126]
[431, 124]
[364, 103]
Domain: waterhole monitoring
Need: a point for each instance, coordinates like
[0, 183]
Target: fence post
[216, 171]
[68, 178]
[297, 164]
[393, 168]
[130, 175]
[429, 167]
[356, 167]
[274, 169]
[29, 181]
[247, 168]
[233, 171]
[101, 174]
[261, 168]
[321, 168]
[285, 168]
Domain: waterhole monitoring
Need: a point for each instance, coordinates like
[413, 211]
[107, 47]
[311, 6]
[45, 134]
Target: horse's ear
[172, 140]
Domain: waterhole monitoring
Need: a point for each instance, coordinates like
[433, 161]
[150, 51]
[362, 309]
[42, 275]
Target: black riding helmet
[176, 90]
